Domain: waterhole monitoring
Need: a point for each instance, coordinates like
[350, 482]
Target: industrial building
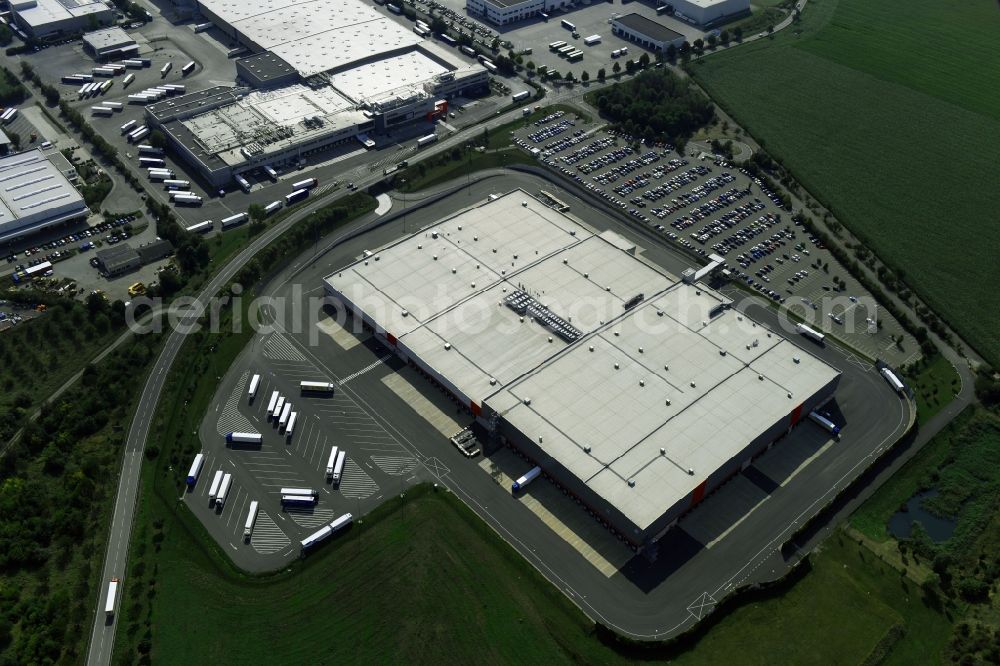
[326, 73]
[502, 12]
[53, 18]
[35, 194]
[707, 13]
[110, 43]
[636, 392]
[646, 32]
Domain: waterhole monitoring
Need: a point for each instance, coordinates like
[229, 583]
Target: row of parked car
[71, 238]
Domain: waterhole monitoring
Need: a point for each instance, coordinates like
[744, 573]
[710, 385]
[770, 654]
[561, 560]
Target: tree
[644, 60]
[27, 71]
[699, 45]
[530, 65]
[601, 75]
[712, 41]
[629, 65]
[724, 37]
[770, 29]
[738, 33]
[51, 95]
[256, 212]
[585, 76]
[671, 53]
[616, 68]
[438, 25]
[157, 139]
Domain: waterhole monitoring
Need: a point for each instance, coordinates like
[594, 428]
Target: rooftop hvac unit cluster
[523, 304]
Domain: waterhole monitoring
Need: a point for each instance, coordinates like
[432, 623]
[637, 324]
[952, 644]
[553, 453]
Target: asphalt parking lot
[710, 207]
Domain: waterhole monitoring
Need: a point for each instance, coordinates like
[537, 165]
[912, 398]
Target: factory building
[110, 43]
[646, 32]
[636, 392]
[707, 13]
[503, 12]
[54, 18]
[322, 74]
[35, 194]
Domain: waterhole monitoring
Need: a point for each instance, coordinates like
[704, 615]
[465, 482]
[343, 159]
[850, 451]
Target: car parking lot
[708, 206]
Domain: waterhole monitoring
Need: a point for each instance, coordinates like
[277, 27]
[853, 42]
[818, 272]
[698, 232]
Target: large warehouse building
[325, 73]
[637, 393]
[51, 18]
[709, 12]
[35, 194]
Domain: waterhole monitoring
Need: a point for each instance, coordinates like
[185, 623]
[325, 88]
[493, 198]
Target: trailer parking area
[376, 466]
[707, 206]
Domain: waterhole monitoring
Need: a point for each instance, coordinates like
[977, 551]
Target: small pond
[901, 523]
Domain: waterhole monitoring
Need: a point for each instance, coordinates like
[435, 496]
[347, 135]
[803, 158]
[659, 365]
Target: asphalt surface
[731, 540]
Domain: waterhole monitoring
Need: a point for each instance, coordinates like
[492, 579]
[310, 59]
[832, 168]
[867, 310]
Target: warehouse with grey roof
[632, 390]
[35, 194]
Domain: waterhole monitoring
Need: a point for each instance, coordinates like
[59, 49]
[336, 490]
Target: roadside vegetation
[58, 480]
[958, 476]
[40, 354]
[935, 383]
[912, 191]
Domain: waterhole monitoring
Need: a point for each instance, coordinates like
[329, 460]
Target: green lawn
[896, 131]
[935, 383]
[444, 168]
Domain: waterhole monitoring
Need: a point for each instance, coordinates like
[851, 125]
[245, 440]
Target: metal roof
[654, 363]
[34, 193]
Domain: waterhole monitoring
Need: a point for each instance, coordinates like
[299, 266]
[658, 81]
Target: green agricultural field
[889, 112]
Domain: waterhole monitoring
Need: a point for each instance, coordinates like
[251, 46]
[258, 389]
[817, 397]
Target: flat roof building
[709, 12]
[35, 194]
[503, 12]
[46, 18]
[646, 32]
[109, 42]
[118, 260]
[634, 391]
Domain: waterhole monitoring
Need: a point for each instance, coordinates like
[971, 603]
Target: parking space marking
[267, 537]
[310, 517]
[355, 482]
[231, 419]
[240, 499]
[395, 465]
[277, 348]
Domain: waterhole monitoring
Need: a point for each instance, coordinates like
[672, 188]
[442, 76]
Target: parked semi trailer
[296, 196]
[200, 228]
[331, 463]
[272, 403]
[338, 467]
[306, 184]
[251, 520]
[220, 498]
[278, 406]
[317, 536]
[893, 380]
[245, 437]
[316, 387]
[826, 423]
[291, 424]
[300, 491]
[810, 333]
[233, 220]
[526, 479]
[192, 477]
[286, 412]
[213, 489]
[254, 383]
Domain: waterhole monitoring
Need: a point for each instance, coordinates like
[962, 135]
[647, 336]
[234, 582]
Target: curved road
[116, 558]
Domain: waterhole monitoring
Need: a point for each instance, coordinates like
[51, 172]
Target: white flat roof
[674, 370]
[38, 13]
[33, 193]
[314, 35]
[108, 38]
[375, 79]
